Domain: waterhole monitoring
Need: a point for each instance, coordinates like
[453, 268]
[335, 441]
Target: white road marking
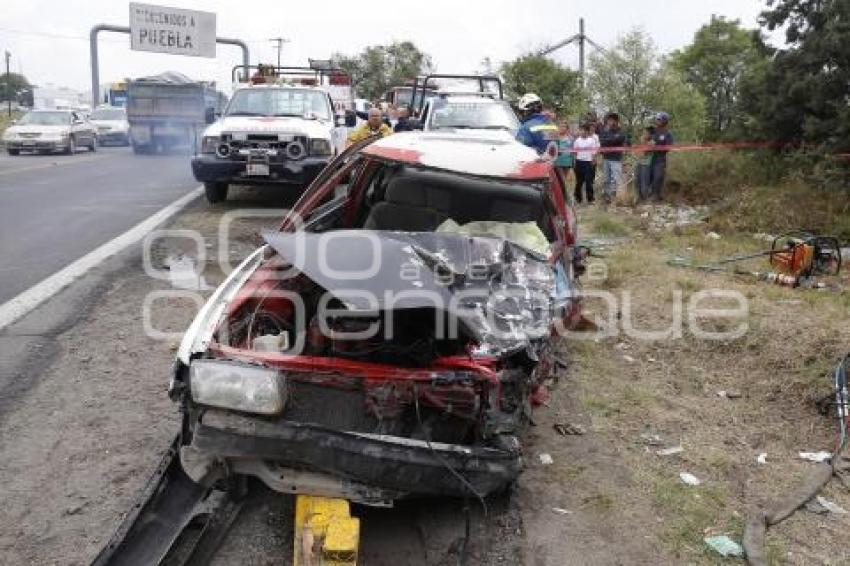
[14, 309]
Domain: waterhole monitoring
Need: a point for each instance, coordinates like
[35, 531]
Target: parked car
[469, 112]
[50, 131]
[112, 125]
[389, 340]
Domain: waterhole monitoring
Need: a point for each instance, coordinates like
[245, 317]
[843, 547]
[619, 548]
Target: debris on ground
[713, 236]
[651, 439]
[762, 458]
[725, 546]
[830, 506]
[561, 511]
[689, 479]
[813, 506]
[569, 429]
[546, 459]
[629, 358]
[666, 217]
[729, 394]
[818, 457]
[678, 449]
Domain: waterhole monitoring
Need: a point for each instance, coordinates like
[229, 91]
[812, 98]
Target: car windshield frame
[112, 114]
[477, 108]
[58, 118]
[241, 104]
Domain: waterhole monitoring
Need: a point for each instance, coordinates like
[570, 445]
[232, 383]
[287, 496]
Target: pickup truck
[273, 132]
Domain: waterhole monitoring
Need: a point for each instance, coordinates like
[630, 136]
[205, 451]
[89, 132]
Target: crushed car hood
[501, 294]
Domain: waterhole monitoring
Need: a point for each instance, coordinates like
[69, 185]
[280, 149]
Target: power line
[54, 35]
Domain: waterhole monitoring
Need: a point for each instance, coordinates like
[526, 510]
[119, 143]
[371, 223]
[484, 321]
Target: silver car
[50, 131]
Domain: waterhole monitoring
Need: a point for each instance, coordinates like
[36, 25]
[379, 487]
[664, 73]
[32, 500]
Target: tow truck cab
[281, 127]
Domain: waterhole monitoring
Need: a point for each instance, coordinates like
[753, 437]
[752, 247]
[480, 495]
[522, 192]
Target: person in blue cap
[537, 130]
[661, 137]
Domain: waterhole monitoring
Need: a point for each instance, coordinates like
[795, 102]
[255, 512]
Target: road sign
[172, 30]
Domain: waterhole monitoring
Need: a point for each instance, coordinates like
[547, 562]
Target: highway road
[55, 209]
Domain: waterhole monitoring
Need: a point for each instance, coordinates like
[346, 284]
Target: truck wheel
[216, 192]
[72, 146]
[13, 151]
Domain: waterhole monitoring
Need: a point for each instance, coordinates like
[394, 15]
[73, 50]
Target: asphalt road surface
[55, 209]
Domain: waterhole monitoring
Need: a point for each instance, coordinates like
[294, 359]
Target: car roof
[481, 154]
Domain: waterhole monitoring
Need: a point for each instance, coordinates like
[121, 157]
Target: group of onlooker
[578, 151]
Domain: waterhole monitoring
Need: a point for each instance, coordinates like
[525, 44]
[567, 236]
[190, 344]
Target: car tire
[215, 192]
[13, 151]
[72, 146]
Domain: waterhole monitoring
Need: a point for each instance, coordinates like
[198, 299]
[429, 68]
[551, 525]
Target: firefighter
[537, 130]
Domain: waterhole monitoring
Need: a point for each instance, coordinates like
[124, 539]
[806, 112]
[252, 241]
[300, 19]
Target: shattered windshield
[303, 103]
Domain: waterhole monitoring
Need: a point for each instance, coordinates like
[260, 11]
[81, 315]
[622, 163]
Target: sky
[48, 39]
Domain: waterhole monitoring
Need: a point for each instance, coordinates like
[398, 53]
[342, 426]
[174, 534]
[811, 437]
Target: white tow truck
[281, 127]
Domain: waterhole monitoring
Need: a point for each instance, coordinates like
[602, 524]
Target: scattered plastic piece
[812, 506]
[830, 506]
[725, 546]
[651, 439]
[546, 459]
[730, 394]
[713, 236]
[819, 457]
[569, 429]
[628, 358]
[689, 479]
[762, 458]
[560, 511]
[678, 449]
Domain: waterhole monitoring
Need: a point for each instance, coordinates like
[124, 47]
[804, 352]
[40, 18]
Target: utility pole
[580, 38]
[279, 41]
[8, 85]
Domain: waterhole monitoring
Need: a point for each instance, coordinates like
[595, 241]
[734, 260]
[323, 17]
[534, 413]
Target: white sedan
[112, 126]
[49, 131]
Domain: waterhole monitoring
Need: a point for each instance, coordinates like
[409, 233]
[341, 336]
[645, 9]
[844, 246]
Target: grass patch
[608, 226]
[689, 513]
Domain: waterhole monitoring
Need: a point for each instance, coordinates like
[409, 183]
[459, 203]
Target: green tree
[801, 94]
[634, 81]
[558, 86]
[13, 85]
[620, 79]
[379, 67]
[722, 52]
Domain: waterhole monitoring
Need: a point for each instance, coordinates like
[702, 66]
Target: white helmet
[527, 100]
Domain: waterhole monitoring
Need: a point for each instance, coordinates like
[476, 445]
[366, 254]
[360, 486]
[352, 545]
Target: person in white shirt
[585, 147]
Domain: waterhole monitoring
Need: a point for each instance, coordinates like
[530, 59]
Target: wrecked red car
[389, 339]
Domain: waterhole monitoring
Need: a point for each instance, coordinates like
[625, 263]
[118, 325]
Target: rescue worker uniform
[537, 131]
[364, 131]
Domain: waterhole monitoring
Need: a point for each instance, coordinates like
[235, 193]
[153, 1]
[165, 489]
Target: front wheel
[72, 146]
[215, 192]
[13, 151]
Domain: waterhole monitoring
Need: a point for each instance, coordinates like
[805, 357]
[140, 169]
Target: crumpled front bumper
[212, 169]
[391, 463]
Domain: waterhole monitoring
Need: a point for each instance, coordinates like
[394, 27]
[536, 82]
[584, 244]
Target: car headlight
[320, 147]
[236, 386]
[209, 144]
[9, 136]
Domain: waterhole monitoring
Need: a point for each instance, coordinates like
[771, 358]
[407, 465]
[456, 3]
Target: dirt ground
[75, 449]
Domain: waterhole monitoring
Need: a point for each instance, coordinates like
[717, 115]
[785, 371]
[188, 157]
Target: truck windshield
[279, 102]
[485, 114]
[46, 118]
